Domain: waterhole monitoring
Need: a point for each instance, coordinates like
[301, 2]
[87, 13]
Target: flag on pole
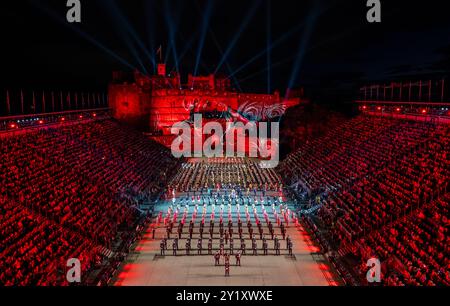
[76, 100]
[159, 52]
[88, 100]
[68, 101]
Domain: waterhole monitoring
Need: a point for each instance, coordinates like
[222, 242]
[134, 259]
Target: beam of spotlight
[310, 21]
[269, 38]
[55, 16]
[292, 58]
[132, 49]
[187, 47]
[219, 48]
[172, 32]
[136, 56]
[205, 25]
[275, 43]
[272, 66]
[172, 29]
[115, 11]
[318, 45]
[238, 34]
[150, 33]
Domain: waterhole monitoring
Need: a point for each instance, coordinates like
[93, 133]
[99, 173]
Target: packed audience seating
[421, 243]
[382, 183]
[371, 172]
[68, 189]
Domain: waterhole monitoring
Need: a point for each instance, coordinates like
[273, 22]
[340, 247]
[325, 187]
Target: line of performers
[283, 214]
[226, 238]
[228, 190]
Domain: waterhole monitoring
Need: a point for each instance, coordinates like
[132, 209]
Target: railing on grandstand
[18, 123]
[418, 111]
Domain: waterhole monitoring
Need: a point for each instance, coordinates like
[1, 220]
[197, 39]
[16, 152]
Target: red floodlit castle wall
[157, 102]
[168, 107]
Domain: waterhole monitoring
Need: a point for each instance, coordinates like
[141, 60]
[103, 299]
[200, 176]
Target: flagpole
[61, 100]
[34, 103]
[43, 102]
[68, 101]
[21, 102]
[8, 104]
[53, 101]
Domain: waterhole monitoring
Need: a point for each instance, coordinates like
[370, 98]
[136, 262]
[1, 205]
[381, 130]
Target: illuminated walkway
[145, 266]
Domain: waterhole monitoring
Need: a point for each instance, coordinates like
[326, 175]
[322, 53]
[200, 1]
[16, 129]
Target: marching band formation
[230, 207]
[260, 221]
[242, 174]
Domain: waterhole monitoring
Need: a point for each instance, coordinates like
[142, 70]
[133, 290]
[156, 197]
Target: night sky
[325, 46]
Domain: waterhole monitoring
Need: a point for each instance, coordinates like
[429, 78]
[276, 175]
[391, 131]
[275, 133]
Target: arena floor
[146, 267]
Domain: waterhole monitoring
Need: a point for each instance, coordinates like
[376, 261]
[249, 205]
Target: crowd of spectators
[371, 172]
[67, 189]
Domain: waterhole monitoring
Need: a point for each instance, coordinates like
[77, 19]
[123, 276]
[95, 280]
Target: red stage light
[424, 111]
[81, 117]
[63, 119]
[364, 107]
[379, 108]
[94, 115]
[398, 109]
[13, 126]
[41, 121]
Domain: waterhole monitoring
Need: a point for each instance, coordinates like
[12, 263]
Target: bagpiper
[191, 231]
[226, 237]
[188, 246]
[162, 248]
[168, 232]
[255, 252]
[199, 247]
[209, 246]
[288, 241]
[217, 259]
[174, 247]
[227, 268]
[243, 246]
[238, 258]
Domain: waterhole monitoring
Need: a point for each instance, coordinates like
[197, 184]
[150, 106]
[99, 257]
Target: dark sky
[326, 45]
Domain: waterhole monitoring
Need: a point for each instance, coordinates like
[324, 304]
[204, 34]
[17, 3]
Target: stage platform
[145, 266]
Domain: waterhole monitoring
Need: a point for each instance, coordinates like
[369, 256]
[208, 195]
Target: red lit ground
[145, 266]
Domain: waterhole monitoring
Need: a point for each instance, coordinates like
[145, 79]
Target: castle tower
[162, 69]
